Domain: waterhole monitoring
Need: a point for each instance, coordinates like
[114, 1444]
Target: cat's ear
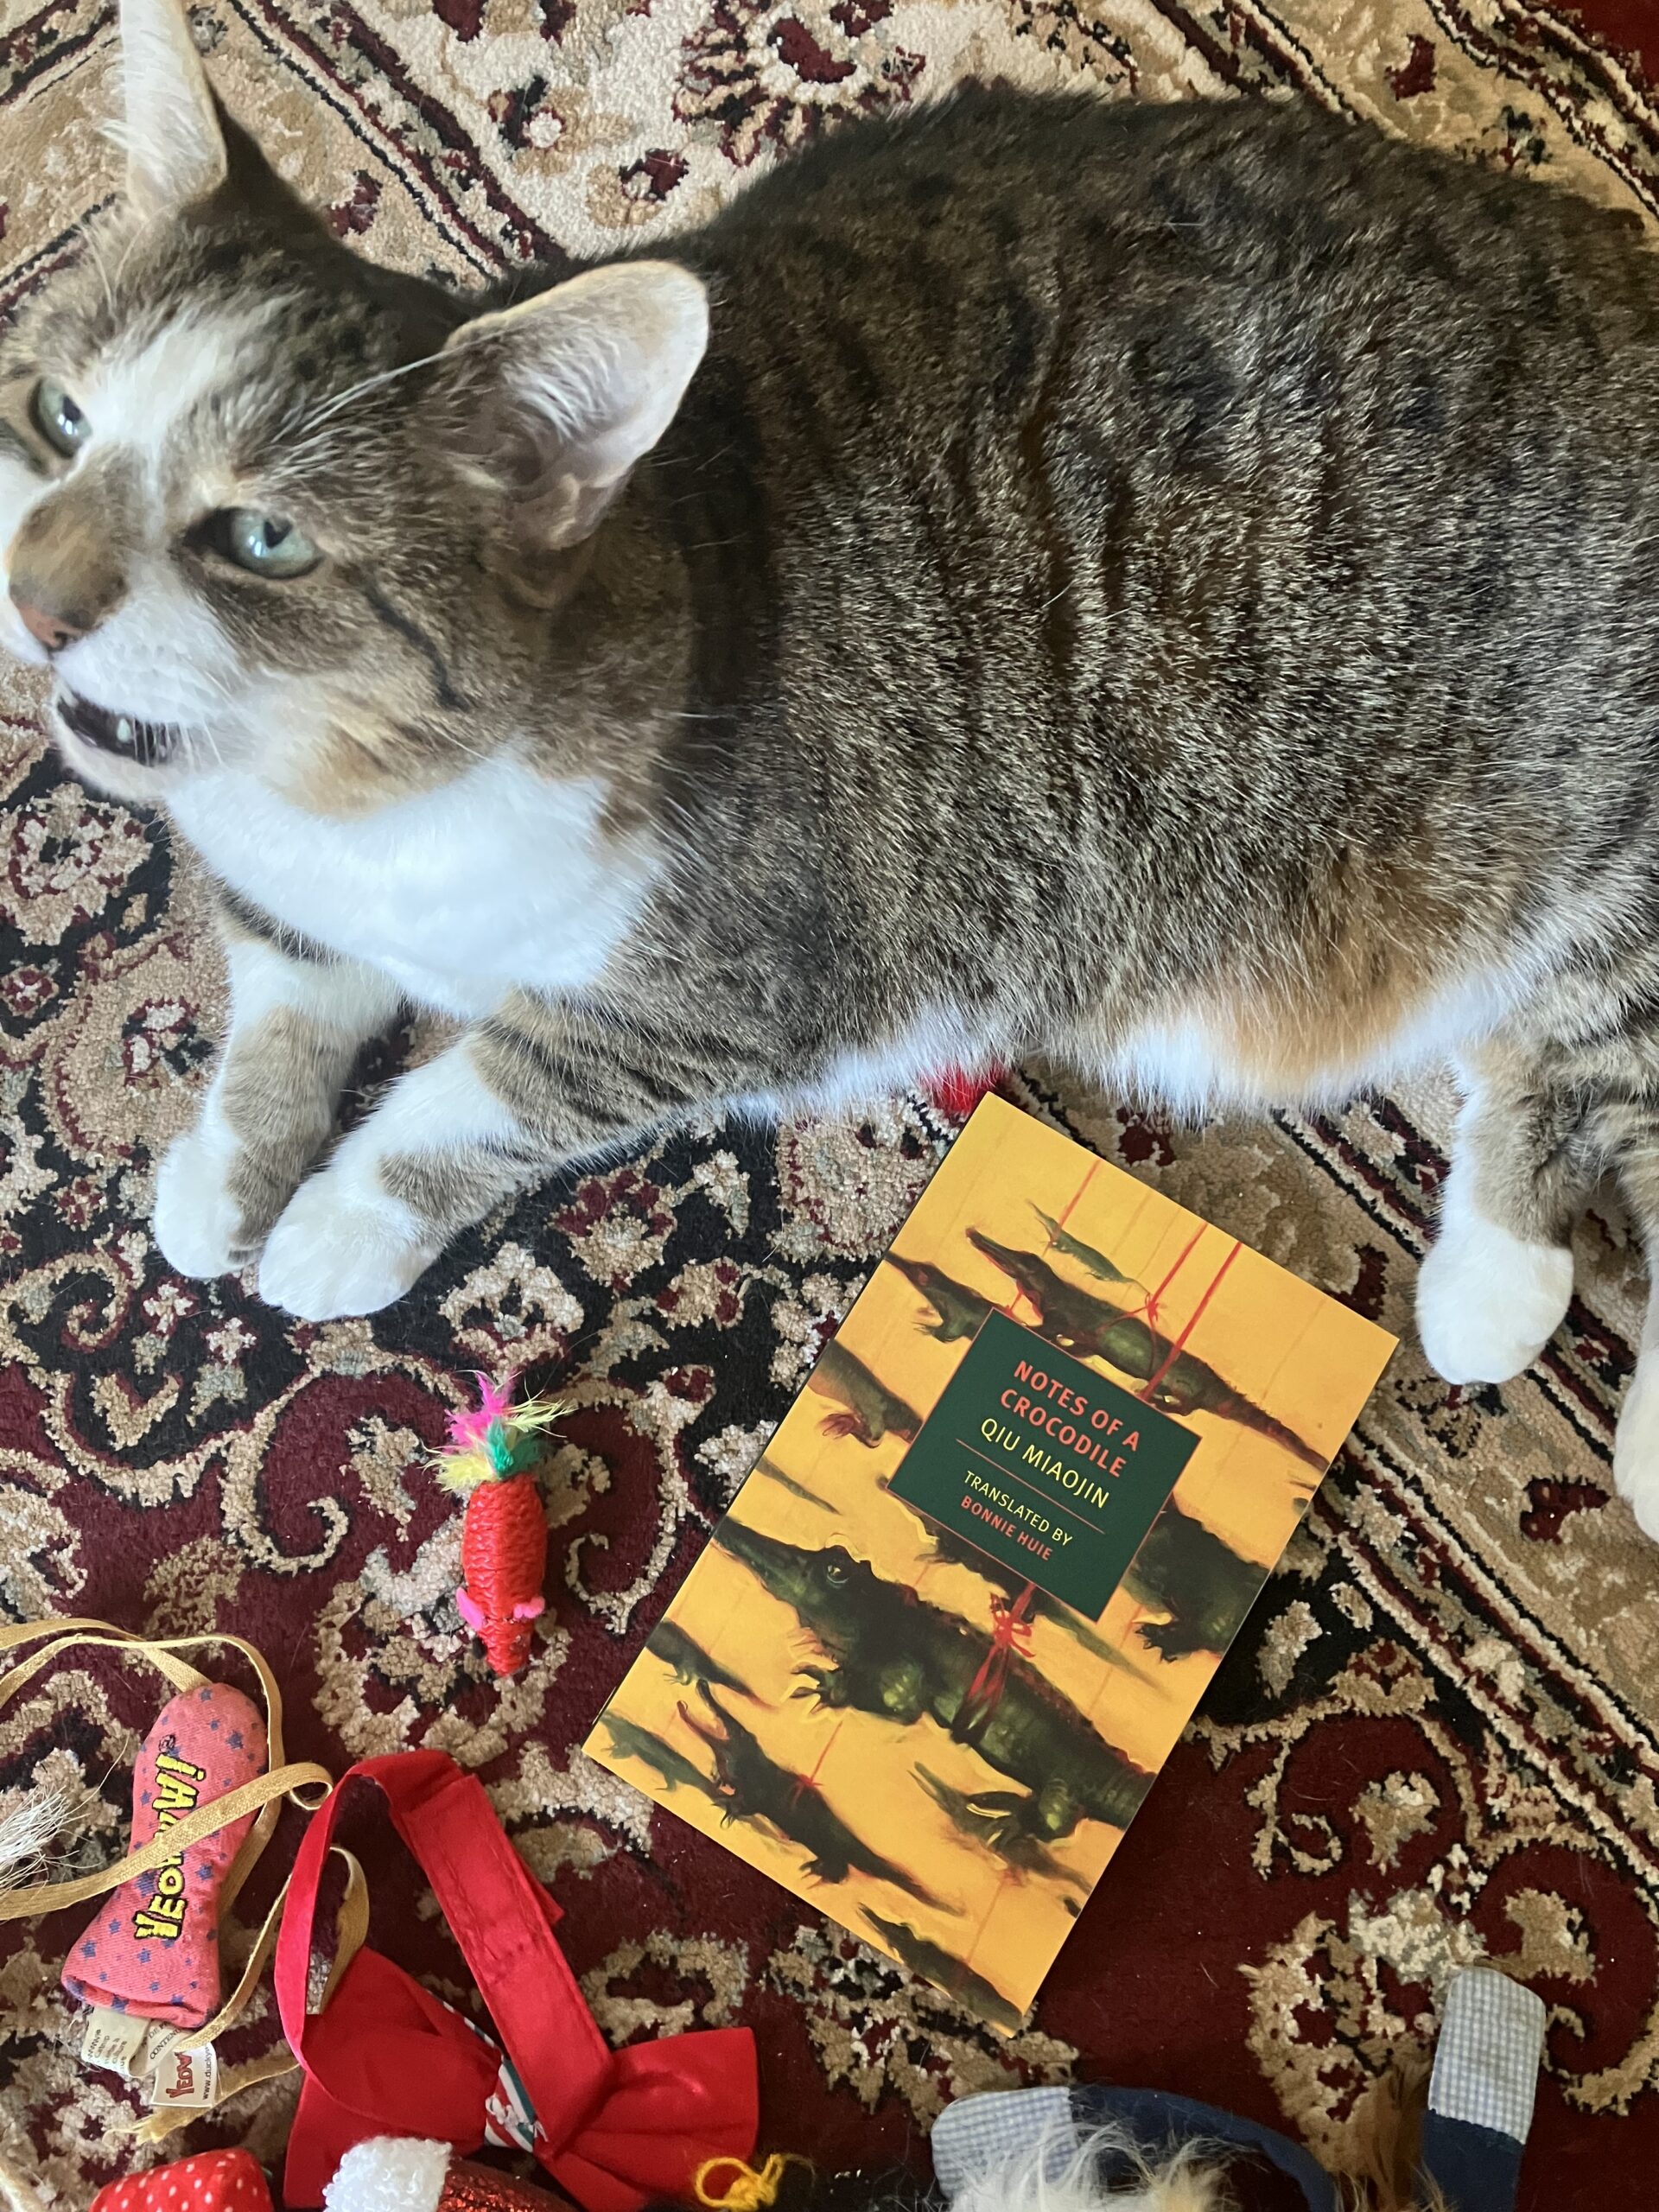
[561, 395]
[170, 127]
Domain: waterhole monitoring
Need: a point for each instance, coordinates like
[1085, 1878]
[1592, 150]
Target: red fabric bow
[614, 2128]
[213, 2181]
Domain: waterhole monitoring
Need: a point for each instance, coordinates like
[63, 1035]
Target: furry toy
[388, 2175]
[1449, 2141]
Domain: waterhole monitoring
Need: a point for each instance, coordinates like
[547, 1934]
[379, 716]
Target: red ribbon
[614, 2128]
[1010, 1633]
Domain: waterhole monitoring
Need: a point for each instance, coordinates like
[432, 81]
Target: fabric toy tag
[149, 2051]
[113, 2040]
[187, 2078]
[151, 1950]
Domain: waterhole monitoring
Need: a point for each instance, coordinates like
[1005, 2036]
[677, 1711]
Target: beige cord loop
[295, 1781]
[264, 1790]
[262, 1795]
[351, 1933]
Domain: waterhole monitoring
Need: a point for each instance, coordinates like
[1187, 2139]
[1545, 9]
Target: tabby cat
[1170, 588]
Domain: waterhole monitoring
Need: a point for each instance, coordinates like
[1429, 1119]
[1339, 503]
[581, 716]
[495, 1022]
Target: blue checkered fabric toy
[1479, 2108]
[1095, 2149]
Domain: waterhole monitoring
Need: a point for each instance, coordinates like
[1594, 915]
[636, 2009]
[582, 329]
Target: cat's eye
[57, 418]
[266, 545]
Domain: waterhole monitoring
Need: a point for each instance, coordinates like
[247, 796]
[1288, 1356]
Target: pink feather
[469, 1427]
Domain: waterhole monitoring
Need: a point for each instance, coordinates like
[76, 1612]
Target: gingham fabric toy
[1480, 2102]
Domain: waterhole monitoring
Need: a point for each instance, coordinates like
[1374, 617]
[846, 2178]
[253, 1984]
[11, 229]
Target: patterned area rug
[1435, 1737]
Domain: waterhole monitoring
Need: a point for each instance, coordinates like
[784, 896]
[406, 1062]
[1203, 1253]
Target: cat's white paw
[341, 1251]
[1488, 1302]
[197, 1223]
[1636, 1446]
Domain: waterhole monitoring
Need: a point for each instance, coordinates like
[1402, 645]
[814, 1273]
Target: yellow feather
[462, 1472]
[539, 1412]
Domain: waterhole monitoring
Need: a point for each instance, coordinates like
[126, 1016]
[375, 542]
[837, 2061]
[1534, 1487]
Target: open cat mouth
[129, 739]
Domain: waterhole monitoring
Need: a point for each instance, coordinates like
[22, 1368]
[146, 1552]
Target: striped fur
[1166, 588]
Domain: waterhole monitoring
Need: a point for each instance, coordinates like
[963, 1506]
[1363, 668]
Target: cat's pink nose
[48, 630]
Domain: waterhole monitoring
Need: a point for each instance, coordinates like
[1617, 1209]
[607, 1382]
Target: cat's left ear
[176, 148]
[562, 395]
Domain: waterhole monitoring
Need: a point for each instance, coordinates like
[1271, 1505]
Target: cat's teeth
[123, 730]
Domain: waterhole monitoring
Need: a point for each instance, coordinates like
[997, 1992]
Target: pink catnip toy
[152, 1948]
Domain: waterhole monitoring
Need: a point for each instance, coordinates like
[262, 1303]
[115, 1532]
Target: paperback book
[934, 1657]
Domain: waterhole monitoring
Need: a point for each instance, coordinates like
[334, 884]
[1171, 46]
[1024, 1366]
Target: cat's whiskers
[311, 423]
[133, 244]
[473, 752]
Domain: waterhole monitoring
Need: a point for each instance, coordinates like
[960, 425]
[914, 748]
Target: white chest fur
[500, 879]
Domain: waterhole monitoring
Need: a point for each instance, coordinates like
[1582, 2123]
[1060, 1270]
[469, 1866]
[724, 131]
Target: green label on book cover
[1044, 1465]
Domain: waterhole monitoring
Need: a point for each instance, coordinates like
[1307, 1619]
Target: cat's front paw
[340, 1250]
[198, 1218]
[1636, 1446]
[1487, 1301]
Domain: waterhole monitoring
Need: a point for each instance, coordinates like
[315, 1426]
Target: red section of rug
[1402, 1762]
[1248, 1908]
[1627, 29]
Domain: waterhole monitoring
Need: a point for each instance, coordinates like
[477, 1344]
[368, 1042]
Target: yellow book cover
[961, 1609]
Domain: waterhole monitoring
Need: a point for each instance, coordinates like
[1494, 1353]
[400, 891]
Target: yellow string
[261, 1796]
[351, 1933]
[748, 2191]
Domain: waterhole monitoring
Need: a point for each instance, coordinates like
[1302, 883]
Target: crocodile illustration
[629, 1741]
[774, 1473]
[953, 1975]
[961, 1309]
[893, 1655]
[750, 1786]
[690, 1662]
[870, 1411]
[961, 1551]
[1086, 1256]
[984, 1816]
[1203, 1584]
[1094, 1328]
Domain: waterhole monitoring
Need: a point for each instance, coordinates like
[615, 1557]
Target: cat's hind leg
[1636, 1442]
[1495, 1285]
[1536, 1135]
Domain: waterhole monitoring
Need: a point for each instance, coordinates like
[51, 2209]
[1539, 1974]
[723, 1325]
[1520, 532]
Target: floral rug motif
[1436, 1738]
